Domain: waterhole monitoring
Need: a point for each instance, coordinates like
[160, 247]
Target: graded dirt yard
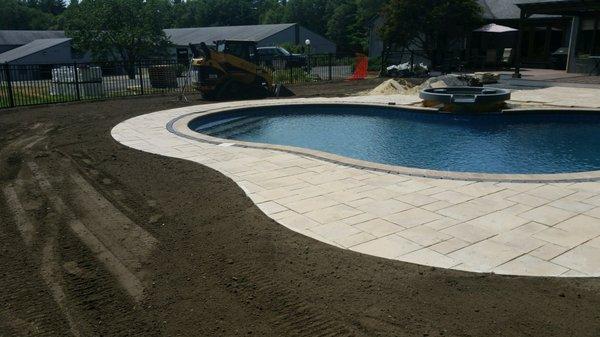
[98, 239]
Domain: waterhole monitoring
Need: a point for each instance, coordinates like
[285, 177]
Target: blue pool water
[522, 143]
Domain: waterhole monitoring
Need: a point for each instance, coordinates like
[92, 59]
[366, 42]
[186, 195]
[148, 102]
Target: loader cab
[245, 50]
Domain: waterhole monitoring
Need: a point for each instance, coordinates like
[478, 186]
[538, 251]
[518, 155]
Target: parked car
[280, 58]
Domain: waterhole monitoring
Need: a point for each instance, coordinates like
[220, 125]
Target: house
[263, 35]
[579, 31]
[544, 27]
[11, 39]
[38, 57]
[541, 35]
[43, 51]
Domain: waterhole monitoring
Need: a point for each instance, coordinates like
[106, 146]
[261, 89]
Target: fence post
[76, 81]
[383, 59]
[291, 74]
[141, 78]
[330, 66]
[11, 98]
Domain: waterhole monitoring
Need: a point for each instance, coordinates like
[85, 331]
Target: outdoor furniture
[495, 41]
[596, 69]
[507, 55]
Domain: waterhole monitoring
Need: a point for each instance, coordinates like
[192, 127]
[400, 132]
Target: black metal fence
[34, 84]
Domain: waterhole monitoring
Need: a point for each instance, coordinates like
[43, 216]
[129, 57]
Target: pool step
[228, 130]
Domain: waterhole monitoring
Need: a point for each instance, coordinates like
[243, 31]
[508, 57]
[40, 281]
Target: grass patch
[31, 95]
[293, 75]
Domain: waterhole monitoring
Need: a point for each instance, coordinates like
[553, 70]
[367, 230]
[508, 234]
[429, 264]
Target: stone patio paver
[412, 217]
[547, 215]
[355, 239]
[378, 227]
[429, 257]
[543, 229]
[583, 259]
[391, 247]
[531, 266]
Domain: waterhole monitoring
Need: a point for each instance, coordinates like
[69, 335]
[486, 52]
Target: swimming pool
[491, 143]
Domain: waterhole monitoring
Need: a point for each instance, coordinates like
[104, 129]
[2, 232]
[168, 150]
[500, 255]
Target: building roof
[559, 7]
[30, 48]
[494, 28]
[185, 36]
[21, 37]
[506, 9]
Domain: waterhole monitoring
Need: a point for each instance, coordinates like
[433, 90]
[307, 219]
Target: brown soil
[101, 240]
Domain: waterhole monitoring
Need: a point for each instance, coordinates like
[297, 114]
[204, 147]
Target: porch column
[517, 73]
[571, 57]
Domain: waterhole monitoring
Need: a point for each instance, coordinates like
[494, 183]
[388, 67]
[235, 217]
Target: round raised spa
[516, 143]
[466, 99]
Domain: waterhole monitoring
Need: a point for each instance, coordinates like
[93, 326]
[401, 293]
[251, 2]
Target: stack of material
[163, 76]
[444, 81]
[87, 80]
[487, 78]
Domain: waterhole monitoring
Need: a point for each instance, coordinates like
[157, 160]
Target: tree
[271, 11]
[345, 28]
[347, 25]
[430, 27]
[228, 13]
[53, 7]
[128, 30]
[312, 14]
[17, 15]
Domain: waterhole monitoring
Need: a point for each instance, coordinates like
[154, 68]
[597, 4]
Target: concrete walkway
[550, 229]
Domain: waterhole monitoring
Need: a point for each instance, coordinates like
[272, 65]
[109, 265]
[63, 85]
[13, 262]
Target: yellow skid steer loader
[231, 71]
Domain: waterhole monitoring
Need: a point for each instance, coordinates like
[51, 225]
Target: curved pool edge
[148, 133]
[180, 127]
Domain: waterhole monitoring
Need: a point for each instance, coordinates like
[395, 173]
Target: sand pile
[390, 87]
[393, 87]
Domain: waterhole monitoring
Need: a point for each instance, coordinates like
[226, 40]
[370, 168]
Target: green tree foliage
[18, 15]
[54, 7]
[95, 23]
[119, 29]
[312, 14]
[343, 21]
[429, 26]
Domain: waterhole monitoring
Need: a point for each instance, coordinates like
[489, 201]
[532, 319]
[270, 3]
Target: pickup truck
[280, 58]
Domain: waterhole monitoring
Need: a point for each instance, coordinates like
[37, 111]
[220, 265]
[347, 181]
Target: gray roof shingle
[30, 48]
[185, 36]
[505, 9]
[21, 37]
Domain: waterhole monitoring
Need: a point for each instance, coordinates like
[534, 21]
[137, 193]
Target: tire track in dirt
[80, 297]
[28, 308]
[295, 315]
[24, 224]
[126, 278]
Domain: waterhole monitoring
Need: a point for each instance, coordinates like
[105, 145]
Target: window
[588, 41]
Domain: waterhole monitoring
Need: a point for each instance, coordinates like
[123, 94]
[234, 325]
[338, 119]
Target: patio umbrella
[494, 28]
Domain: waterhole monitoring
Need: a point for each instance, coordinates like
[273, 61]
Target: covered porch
[581, 48]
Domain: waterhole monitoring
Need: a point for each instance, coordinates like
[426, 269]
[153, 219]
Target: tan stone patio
[538, 229]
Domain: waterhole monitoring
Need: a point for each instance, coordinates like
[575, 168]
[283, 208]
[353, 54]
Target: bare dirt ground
[98, 239]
